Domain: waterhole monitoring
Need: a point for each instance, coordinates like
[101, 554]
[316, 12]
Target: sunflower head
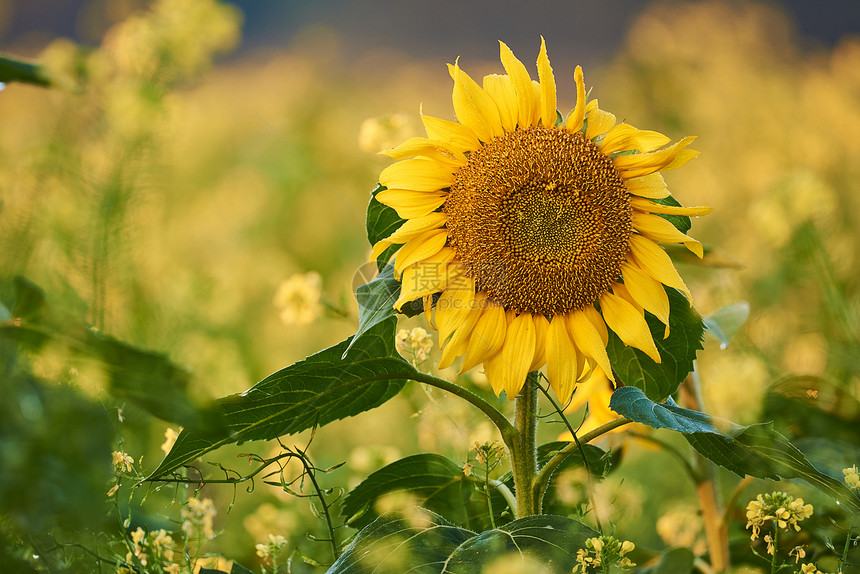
[535, 235]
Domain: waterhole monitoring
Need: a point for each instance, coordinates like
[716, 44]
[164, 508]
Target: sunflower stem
[524, 448]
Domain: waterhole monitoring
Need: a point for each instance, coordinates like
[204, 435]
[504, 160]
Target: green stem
[773, 567]
[543, 477]
[505, 427]
[524, 449]
[16, 70]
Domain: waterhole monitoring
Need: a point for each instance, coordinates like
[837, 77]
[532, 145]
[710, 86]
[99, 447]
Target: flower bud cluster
[778, 508]
[603, 551]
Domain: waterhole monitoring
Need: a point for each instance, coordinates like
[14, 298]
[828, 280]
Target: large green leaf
[436, 483]
[145, 378]
[375, 302]
[760, 451]
[316, 391]
[426, 543]
[632, 403]
[677, 351]
[382, 221]
[756, 450]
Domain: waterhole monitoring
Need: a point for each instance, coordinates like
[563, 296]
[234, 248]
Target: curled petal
[420, 248]
[486, 338]
[457, 136]
[575, 118]
[651, 207]
[651, 259]
[473, 107]
[502, 90]
[522, 82]
[423, 147]
[419, 174]
[411, 204]
[411, 229]
[589, 339]
[563, 361]
[628, 323]
[652, 186]
[548, 102]
[659, 229]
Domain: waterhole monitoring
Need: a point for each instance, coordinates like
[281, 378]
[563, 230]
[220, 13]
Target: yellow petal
[487, 337]
[409, 230]
[656, 228]
[411, 204]
[420, 248]
[562, 359]
[575, 118]
[651, 207]
[418, 174]
[628, 323]
[458, 343]
[508, 368]
[473, 107]
[548, 104]
[501, 89]
[646, 291]
[589, 339]
[683, 157]
[652, 186]
[456, 135]
[427, 277]
[597, 320]
[639, 164]
[432, 149]
[651, 259]
[522, 84]
[453, 306]
[626, 137]
[541, 328]
[599, 122]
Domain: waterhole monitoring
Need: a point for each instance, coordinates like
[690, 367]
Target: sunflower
[534, 235]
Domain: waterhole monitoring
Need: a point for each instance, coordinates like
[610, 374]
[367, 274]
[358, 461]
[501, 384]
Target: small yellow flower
[113, 490]
[605, 550]
[122, 461]
[769, 541]
[780, 509]
[416, 342]
[852, 478]
[809, 568]
[467, 469]
[798, 552]
[298, 298]
[197, 516]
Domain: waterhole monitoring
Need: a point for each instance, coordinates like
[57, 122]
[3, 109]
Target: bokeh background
[196, 155]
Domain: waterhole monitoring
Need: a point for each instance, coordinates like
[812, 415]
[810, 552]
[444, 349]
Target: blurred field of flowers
[215, 213]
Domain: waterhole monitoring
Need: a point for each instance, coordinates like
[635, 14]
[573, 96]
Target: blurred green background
[195, 155]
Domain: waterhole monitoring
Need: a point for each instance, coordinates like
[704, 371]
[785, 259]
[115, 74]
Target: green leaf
[681, 222]
[426, 543]
[375, 302]
[382, 221]
[313, 392]
[148, 380]
[632, 403]
[677, 351]
[760, 451]
[599, 461]
[727, 321]
[756, 450]
[436, 482]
